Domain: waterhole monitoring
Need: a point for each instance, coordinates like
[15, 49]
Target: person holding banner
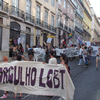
[64, 61]
[47, 50]
[5, 59]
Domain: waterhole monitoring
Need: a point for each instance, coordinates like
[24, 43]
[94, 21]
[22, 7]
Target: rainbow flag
[70, 36]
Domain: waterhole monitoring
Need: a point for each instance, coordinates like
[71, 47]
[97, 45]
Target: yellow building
[87, 19]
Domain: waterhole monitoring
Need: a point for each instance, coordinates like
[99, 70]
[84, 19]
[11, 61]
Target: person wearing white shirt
[18, 40]
[80, 56]
[52, 60]
[97, 58]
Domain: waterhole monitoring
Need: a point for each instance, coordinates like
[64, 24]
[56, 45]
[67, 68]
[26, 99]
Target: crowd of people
[85, 55]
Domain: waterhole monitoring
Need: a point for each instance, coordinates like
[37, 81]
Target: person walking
[85, 55]
[80, 56]
[97, 58]
[14, 53]
[47, 51]
[30, 53]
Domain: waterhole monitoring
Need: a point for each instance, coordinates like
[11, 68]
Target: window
[53, 3]
[28, 6]
[71, 11]
[1, 20]
[15, 7]
[15, 3]
[64, 21]
[59, 1]
[38, 12]
[68, 7]
[52, 20]
[68, 24]
[64, 4]
[28, 30]
[46, 16]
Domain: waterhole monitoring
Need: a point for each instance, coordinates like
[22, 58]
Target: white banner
[49, 40]
[36, 78]
[95, 50]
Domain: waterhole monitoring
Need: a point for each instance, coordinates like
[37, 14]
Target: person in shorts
[97, 58]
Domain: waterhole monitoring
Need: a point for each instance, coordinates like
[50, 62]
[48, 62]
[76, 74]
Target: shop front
[14, 33]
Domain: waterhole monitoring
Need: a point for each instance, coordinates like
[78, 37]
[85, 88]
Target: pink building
[65, 20]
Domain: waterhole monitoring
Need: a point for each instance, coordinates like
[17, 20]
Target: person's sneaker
[4, 96]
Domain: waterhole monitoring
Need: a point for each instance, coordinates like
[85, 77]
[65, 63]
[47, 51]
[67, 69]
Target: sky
[96, 6]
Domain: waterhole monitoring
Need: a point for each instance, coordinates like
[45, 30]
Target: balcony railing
[3, 6]
[39, 22]
[70, 30]
[46, 26]
[78, 29]
[17, 12]
[79, 15]
[30, 18]
[60, 24]
[87, 32]
[53, 29]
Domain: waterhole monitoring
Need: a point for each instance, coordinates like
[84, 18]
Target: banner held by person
[36, 78]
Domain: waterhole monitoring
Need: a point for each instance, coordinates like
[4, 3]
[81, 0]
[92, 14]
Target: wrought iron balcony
[50, 27]
[53, 29]
[46, 26]
[73, 31]
[30, 18]
[79, 15]
[70, 30]
[4, 6]
[17, 12]
[66, 28]
[39, 22]
[87, 32]
[60, 24]
[79, 30]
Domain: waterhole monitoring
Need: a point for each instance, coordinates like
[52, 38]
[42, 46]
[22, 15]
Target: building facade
[45, 13]
[79, 20]
[27, 21]
[86, 20]
[65, 20]
[95, 33]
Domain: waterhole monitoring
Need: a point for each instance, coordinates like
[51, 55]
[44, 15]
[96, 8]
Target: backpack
[30, 51]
